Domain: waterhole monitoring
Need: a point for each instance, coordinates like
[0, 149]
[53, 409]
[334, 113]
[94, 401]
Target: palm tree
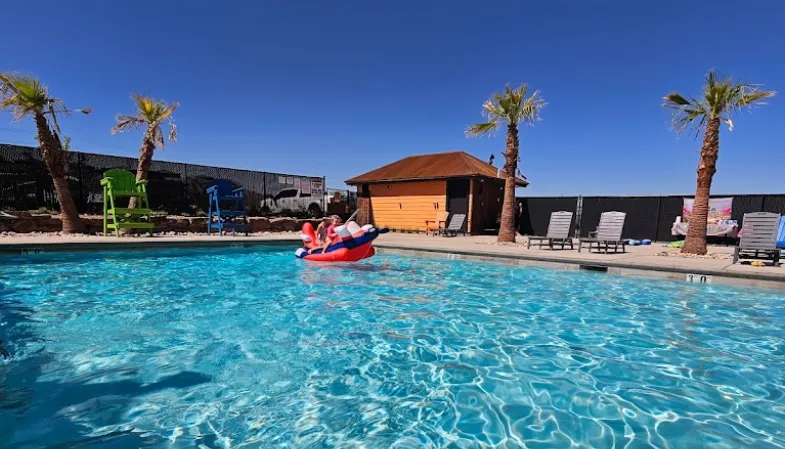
[718, 101]
[150, 112]
[26, 96]
[510, 107]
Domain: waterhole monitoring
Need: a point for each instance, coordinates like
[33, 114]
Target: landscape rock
[283, 224]
[197, 224]
[47, 223]
[94, 224]
[259, 224]
[24, 225]
[29, 223]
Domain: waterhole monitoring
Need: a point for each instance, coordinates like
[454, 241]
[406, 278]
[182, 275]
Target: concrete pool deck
[637, 261]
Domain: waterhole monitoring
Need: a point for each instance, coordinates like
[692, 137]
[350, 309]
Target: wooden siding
[406, 205]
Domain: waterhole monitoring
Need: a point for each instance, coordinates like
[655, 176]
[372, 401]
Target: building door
[458, 198]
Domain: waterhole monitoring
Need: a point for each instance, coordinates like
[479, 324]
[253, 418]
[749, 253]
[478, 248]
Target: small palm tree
[718, 101]
[26, 96]
[152, 113]
[510, 107]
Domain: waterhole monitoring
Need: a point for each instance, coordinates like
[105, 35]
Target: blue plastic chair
[781, 234]
[227, 207]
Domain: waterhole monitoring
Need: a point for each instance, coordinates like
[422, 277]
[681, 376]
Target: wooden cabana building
[406, 193]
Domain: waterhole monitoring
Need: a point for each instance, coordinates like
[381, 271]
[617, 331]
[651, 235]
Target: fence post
[264, 195]
[324, 195]
[185, 186]
[82, 201]
[578, 214]
[657, 227]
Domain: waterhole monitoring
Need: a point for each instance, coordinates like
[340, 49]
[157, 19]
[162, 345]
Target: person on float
[330, 235]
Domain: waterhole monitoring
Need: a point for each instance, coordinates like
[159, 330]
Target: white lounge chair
[558, 231]
[608, 233]
[759, 238]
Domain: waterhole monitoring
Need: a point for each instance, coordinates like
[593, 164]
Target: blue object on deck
[227, 207]
[781, 234]
[645, 242]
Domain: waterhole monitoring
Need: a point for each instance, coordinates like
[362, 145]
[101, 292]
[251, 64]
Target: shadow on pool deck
[39, 413]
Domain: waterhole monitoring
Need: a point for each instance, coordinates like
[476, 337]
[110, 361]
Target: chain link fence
[173, 187]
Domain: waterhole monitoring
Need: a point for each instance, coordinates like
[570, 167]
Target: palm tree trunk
[145, 160]
[54, 158]
[507, 229]
[695, 243]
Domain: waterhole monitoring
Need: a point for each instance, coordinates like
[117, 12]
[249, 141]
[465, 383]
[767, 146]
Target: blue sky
[339, 88]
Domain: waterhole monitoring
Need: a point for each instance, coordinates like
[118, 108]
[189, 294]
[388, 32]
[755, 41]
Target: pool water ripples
[253, 348]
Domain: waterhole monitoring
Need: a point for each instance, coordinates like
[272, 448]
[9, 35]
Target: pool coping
[22, 248]
[751, 279]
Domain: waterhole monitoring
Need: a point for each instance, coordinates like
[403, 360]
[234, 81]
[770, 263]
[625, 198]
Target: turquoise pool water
[250, 348]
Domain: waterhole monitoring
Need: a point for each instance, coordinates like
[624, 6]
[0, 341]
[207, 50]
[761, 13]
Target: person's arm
[329, 237]
[318, 234]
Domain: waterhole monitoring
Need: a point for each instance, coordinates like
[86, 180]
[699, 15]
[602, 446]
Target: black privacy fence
[648, 217]
[174, 188]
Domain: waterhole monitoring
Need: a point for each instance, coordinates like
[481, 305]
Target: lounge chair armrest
[212, 189]
[239, 190]
[141, 182]
[106, 181]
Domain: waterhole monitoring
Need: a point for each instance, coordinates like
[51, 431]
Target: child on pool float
[329, 237]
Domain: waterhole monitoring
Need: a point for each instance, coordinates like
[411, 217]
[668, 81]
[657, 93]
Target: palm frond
[480, 129]
[55, 106]
[727, 96]
[512, 105]
[686, 111]
[675, 100]
[127, 123]
[172, 131]
[753, 96]
[22, 95]
[153, 111]
[529, 111]
[491, 110]
[5, 84]
[167, 111]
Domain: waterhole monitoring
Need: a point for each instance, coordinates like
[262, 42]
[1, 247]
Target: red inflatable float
[355, 243]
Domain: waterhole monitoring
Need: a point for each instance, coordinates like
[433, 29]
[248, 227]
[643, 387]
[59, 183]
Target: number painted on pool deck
[28, 251]
[698, 279]
[453, 256]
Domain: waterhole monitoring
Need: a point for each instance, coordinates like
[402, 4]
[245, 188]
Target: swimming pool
[252, 348]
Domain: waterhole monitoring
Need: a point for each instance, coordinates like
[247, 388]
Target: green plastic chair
[123, 184]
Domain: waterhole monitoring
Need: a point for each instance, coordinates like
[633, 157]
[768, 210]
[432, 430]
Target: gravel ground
[695, 256]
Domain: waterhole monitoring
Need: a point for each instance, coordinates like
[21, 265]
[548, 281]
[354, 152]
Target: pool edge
[738, 279]
[140, 244]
